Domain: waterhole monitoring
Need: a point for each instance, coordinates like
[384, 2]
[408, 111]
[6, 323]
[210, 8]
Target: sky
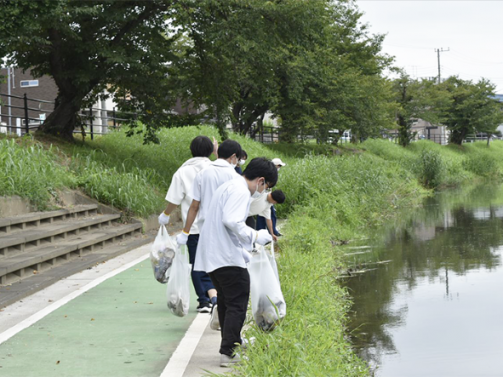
[471, 30]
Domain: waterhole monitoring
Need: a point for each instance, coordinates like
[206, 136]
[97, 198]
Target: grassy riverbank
[332, 199]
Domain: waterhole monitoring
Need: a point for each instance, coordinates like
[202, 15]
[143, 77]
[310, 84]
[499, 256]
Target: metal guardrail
[28, 122]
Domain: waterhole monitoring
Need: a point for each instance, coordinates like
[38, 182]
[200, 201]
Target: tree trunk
[64, 119]
[457, 136]
[403, 131]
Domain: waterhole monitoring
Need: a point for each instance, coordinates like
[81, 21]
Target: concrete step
[29, 239]
[12, 224]
[40, 259]
[36, 282]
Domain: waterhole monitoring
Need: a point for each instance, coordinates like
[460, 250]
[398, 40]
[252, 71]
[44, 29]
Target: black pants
[233, 291]
[250, 221]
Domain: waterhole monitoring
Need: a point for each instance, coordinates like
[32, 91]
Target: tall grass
[32, 172]
[331, 199]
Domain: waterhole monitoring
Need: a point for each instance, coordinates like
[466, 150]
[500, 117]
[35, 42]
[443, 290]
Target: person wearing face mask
[261, 222]
[224, 239]
[261, 207]
[205, 184]
[241, 163]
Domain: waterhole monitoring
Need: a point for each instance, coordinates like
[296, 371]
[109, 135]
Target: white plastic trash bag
[177, 291]
[162, 253]
[267, 302]
[272, 260]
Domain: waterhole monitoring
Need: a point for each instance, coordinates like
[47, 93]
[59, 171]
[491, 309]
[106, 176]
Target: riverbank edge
[312, 338]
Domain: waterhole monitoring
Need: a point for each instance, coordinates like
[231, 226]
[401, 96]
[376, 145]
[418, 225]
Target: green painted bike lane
[122, 327]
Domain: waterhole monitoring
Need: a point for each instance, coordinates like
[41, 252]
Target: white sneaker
[228, 361]
[245, 342]
[214, 322]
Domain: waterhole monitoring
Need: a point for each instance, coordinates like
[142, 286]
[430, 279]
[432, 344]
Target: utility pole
[438, 51]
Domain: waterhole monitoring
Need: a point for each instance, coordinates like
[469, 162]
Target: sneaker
[228, 361]
[204, 307]
[245, 342]
[214, 322]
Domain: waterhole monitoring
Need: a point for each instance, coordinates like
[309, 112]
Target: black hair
[278, 196]
[201, 146]
[262, 167]
[228, 148]
[243, 154]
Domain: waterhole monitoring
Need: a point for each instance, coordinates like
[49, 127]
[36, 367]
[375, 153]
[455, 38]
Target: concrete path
[110, 320]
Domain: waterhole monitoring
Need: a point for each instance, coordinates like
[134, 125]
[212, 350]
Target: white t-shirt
[179, 191]
[261, 207]
[225, 233]
[206, 183]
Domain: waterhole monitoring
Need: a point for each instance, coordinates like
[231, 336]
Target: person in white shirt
[222, 251]
[262, 207]
[261, 221]
[179, 191]
[206, 183]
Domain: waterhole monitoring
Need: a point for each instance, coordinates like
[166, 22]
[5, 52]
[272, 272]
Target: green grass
[334, 196]
[32, 172]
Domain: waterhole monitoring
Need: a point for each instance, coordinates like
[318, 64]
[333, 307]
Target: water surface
[436, 308]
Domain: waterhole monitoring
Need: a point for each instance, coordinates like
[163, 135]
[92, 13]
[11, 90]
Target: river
[435, 307]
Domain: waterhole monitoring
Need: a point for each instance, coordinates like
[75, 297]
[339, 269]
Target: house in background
[41, 93]
[426, 130]
[21, 83]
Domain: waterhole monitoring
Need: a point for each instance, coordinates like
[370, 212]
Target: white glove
[263, 237]
[163, 219]
[182, 238]
[246, 256]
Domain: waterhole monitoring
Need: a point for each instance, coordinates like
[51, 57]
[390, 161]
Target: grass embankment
[331, 199]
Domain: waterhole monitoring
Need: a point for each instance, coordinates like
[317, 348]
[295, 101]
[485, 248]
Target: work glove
[246, 256]
[182, 238]
[163, 219]
[263, 237]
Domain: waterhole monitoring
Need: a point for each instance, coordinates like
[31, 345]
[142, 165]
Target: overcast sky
[471, 30]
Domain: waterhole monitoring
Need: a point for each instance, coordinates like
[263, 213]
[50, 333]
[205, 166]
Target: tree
[333, 81]
[88, 46]
[417, 99]
[308, 62]
[472, 109]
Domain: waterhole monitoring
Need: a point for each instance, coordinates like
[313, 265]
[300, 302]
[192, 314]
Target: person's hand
[163, 219]
[246, 256]
[263, 237]
[182, 238]
[275, 238]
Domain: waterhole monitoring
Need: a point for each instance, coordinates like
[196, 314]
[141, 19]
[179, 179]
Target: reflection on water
[436, 308]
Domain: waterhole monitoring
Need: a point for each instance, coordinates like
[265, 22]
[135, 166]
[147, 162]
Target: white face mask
[234, 164]
[256, 194]
[242, 162]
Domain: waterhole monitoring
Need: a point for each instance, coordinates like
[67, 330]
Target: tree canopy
[310, 63]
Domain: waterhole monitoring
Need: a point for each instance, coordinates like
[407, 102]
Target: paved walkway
[110, 320]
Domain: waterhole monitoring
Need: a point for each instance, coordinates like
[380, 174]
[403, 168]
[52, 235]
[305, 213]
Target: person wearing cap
[278, 163]
[261, 222]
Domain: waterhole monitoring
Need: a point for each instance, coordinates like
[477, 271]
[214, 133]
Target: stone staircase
[40, 248]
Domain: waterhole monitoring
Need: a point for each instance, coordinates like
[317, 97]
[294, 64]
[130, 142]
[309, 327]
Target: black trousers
[233, 291]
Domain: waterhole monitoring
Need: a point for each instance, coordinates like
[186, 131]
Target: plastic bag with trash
[267, 302]
[162, 253]
[178, 291]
